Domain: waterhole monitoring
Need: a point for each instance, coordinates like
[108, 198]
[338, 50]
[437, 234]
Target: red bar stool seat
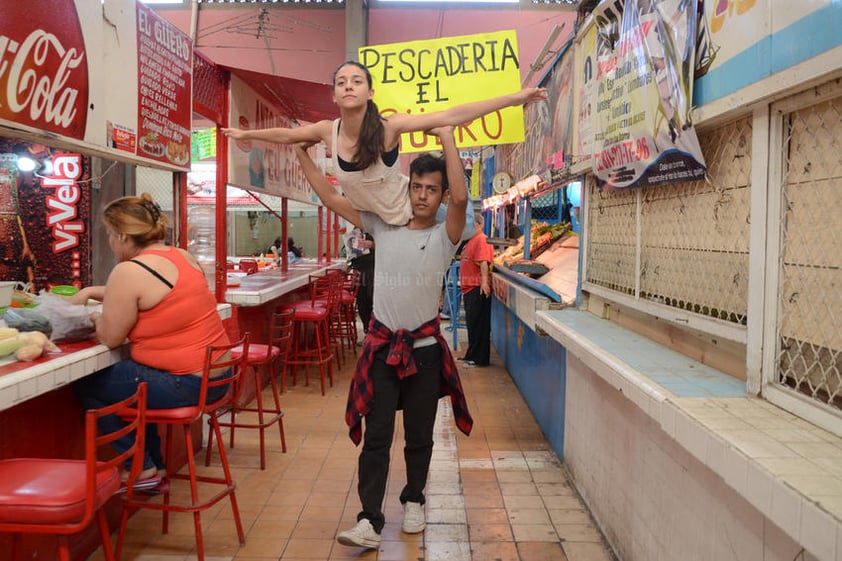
[61, 496]
[217, 357]
[333, 302]
[267, 357]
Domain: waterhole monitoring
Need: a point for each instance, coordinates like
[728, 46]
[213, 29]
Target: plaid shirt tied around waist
[400, 357]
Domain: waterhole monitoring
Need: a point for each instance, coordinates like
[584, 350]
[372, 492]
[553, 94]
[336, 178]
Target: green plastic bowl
[64, 290]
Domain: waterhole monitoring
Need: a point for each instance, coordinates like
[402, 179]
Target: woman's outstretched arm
[460, 114]
[317, 132]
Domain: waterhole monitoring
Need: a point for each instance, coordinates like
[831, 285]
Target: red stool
[61, 497]
[218, 357]
[348, 309]
[269, 357]
[329, 295]
[333, 303]
[312, 318]
[248, 266]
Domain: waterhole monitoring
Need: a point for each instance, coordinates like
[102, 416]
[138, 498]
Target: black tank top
[389, 159]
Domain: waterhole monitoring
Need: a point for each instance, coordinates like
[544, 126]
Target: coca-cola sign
[43, 67]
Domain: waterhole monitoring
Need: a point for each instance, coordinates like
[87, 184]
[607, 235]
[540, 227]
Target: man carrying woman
[405, 361]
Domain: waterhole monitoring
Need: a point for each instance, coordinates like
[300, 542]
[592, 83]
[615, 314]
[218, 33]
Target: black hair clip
[153, 208]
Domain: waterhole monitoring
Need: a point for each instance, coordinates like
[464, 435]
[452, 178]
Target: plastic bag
[26, 319]
[70, 322]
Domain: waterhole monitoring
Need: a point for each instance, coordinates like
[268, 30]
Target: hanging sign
[164, 74]
[432, 75]
[643, 132]
[104, 76]
[257, 165]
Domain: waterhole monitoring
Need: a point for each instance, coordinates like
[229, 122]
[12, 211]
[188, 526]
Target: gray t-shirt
[409, 267]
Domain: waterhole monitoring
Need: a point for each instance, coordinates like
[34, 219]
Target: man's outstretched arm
[329, 196]
[455, 220]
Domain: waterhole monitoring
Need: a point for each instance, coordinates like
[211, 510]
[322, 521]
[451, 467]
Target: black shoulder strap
[154, 272]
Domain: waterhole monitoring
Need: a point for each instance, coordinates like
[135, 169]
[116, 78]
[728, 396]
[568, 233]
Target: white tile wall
[759, 487]
[668, 414]
[786, 468]
[524, 303]
[819, 530]
[716, 454]
[691, 435]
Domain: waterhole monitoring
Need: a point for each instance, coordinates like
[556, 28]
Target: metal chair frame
[268, 357]
[30, 484]
[217, 357]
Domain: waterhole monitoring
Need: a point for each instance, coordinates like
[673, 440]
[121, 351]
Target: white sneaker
[361, 535]
[413, 518]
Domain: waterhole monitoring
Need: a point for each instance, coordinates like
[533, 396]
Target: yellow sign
[432, 75]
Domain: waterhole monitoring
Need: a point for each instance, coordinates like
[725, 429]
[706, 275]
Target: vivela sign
[432, 75]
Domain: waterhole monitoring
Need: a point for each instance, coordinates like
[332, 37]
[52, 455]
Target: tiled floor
[499, 495]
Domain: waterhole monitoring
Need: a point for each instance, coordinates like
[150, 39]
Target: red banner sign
[43, 67]
[164, 69]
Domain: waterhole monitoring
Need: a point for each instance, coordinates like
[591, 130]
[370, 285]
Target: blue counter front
[536, 363]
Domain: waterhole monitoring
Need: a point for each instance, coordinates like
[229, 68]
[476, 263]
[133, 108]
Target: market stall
[533, 203]
[89, 92]
[270, 172]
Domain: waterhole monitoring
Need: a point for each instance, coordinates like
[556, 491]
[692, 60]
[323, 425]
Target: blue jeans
[163, 391]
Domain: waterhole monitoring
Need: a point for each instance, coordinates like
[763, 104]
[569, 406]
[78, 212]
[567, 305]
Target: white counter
[265, 286]
[20, 381]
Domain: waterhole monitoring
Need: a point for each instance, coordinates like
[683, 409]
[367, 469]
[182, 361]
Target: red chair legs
[259, 357]
[196, 505]
[320, 353]
[185, 417]
[265, 417]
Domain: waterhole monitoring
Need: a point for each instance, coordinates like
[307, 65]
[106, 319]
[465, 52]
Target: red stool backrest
[248, 266]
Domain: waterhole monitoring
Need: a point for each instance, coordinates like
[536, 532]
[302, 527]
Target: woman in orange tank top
[157, 297]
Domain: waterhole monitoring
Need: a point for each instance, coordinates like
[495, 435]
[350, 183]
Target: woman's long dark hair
[370, 142]
[292, 247]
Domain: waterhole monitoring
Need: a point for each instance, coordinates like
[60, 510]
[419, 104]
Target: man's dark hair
[428, 163]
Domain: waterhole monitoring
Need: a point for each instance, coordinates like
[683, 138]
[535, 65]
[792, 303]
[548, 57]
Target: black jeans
[365, 294]
[418, 395]
[478, 322]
